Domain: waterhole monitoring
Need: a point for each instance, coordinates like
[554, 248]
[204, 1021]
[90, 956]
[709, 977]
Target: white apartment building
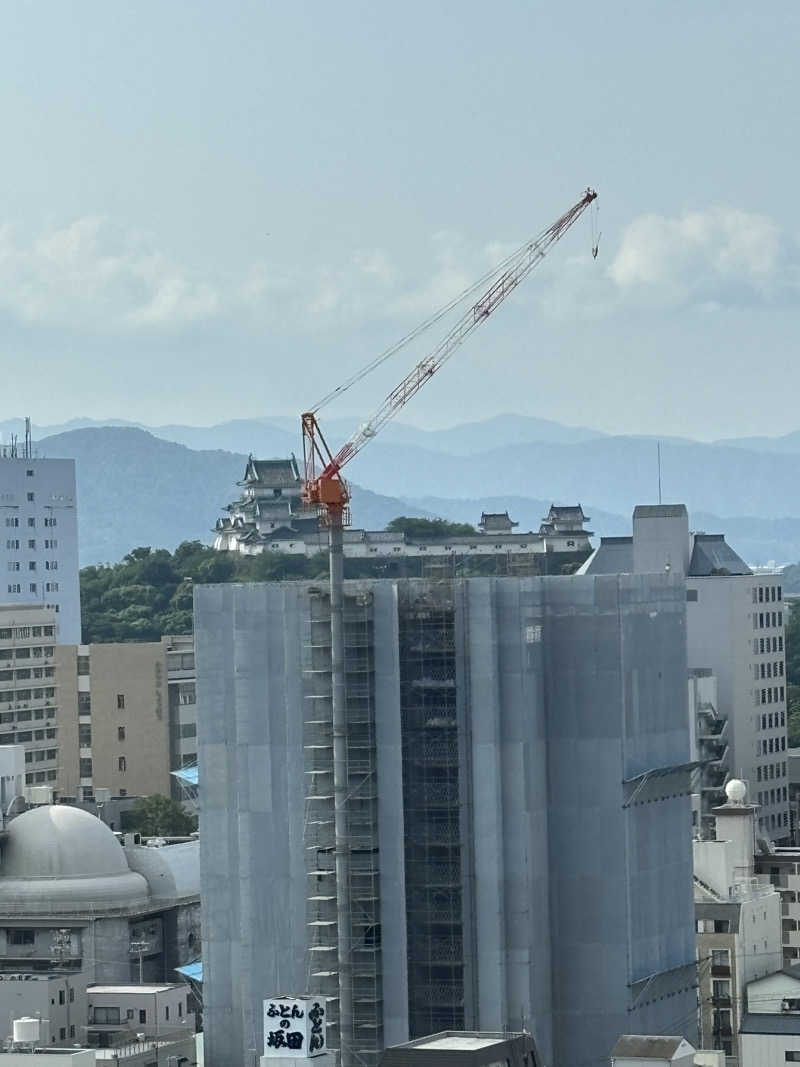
[39, 538]
[735, 630]
[738, 922]
[29, 691]
[769, 1035]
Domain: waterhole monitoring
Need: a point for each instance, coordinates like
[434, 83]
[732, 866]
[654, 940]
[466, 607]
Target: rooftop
[164, 987]
[648, 1046]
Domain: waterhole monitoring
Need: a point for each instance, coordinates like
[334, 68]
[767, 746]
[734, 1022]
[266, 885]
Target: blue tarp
[192, 971]
[187, 774]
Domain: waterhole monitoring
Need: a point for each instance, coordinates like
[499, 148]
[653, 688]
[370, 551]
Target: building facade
[39, 538]
[735, 630]
[31, 709]
[75, 903]
[738, 915]
[128, 714]
[528, 740]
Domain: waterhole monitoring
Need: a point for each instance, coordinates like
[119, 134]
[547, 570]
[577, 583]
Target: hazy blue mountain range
[280, 434]
[135, 488]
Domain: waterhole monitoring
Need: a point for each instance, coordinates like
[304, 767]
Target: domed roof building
[62, 859]
[72, 897]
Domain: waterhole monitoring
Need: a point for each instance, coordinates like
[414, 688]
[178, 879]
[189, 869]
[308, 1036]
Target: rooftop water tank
[27, 1030]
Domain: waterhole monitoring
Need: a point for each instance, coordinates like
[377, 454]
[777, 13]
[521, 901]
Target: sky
[211, 211]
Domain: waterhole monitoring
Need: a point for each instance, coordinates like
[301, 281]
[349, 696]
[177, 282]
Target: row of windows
[21, 633]
[768, 670]
[27, 672]
[773, 695]
[14, 544]
[12, 522]
[40, 755]
[774, 821]
[36, 652]
[771, 770]
[22, 737]
[40, 776]
[766, 593]
[773, 796]
[108, 1016]
[38, 735]
[764, 619]
[49, 587]
[770, 722]
[772, 742]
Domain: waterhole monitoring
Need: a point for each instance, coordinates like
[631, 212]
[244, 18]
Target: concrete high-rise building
[31, 710]
[518, 753]
[735, 629]
[39, 538]
[128, 714]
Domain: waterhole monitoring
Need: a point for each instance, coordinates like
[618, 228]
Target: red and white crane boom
[324, 486]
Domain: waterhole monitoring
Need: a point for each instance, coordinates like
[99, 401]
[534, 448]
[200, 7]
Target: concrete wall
[767, 1050]
[42, 996]
[137, 673]
[621, 877]
[250, 726]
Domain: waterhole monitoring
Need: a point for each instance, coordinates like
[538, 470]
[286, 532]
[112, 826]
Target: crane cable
[423, 326]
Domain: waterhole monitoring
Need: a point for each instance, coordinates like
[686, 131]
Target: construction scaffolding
[365, 1022]
[431, 803]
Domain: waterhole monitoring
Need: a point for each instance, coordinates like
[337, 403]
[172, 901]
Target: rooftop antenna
[658, 446]
[28, 447]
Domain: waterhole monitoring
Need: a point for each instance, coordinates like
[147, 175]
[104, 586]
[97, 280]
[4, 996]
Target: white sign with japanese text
[294, 1026]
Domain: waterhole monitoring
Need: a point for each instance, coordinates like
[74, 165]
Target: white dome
[61, 842]
[736, 791]
[62, 858]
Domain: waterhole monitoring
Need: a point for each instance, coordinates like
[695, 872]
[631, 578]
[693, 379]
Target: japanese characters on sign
[294, 1026]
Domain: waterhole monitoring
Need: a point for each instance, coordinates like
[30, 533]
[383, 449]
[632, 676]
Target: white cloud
[94, 275]
[713, 258]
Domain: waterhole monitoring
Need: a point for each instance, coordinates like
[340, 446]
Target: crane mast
[326, 490]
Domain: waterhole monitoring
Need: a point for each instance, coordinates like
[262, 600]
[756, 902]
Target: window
[29, 474]
[84, 703]
[33, 587]
[71, 995]
[30, 498]
[120, 733]
[13, 566]
[21, 937]
[120, 701]
[761, 594]
[31, 522]
[142, 1015]
[180, 1009]
[62, 1033]
[12, 522]
[62, 998]
[792, 1057]
[85, 769]
[122, 764]
[15, 588]
[129, 1013]
[166, 1011]
[106, 1016]
[72, 1029]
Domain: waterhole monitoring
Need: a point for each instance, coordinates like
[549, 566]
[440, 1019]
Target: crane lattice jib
[530, 256]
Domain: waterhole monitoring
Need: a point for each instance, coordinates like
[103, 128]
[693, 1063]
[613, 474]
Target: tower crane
[326, 490]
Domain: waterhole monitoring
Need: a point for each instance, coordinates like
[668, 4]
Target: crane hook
[596, 246]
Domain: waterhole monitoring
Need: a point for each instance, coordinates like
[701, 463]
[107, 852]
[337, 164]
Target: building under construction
[515, 747]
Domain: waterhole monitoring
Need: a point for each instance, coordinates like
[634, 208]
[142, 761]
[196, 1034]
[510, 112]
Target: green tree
[413, 527]
[160, 816]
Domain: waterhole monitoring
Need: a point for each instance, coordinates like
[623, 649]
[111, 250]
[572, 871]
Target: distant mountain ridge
[137, 489]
